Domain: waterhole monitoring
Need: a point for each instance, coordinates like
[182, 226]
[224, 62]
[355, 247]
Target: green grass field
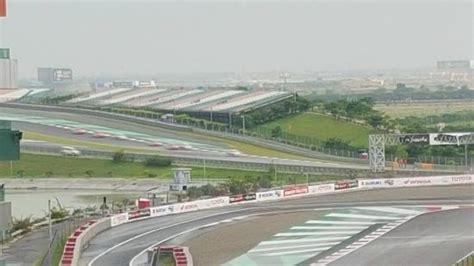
[323, 127]
[422, 109]
[38, 165]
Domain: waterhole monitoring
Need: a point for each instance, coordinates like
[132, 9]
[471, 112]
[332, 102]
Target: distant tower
[285, 78]
[8, 66]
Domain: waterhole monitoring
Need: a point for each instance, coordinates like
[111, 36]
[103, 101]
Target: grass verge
[40, 166]
[32, 165]
[323, 127]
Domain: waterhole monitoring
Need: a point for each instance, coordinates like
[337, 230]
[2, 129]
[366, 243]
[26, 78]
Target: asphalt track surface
[119, 245]
[158, 132]
[111, 123]
[439, 238]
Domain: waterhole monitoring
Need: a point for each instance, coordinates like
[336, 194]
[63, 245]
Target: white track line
[318, 233]
[339, 222]
[327, 244]
[328, 227]
[295, 252]
[361, 216]
[287, 241]
[390, 210]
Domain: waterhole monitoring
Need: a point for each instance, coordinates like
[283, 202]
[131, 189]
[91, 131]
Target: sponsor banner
[461, 179]
[376, 183]
[119, 219]
[213, 203]
[138, 214]
[414, 139]
[419, 181]
[185, 207]
[347, 184]
[416, 181]
[320, 189]
[161, 210]
[448, 138]
[242, 198]
[269, 195]
[295, 191]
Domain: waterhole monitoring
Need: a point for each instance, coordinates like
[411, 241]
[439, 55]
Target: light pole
[465, 154]
[50, 226]
[243, 124]
[275, 169]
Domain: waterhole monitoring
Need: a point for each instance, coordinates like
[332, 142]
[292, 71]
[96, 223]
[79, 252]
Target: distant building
[8, 70]
[48, 75]
[133, 84]
[454, 65]
[125, 84]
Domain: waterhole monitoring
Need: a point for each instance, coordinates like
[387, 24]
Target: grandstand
[213, 102]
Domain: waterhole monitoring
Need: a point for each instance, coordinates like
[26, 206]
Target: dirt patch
[224, 243]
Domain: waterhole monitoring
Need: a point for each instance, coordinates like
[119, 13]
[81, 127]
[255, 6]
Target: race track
[439, 238]
[119, 245]
[140, 137]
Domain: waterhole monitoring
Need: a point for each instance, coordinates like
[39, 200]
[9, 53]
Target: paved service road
[439, 238]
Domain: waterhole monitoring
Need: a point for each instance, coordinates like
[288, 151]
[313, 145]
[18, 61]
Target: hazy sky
[111, 37]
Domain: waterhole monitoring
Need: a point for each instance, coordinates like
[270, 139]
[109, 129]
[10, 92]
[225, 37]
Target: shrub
[22, 224]
[118, 156]
[90, 173]
[59, 213]
[158, 162]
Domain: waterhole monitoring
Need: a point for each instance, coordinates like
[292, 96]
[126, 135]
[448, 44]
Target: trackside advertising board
[295, 191]
[346, 184]
[321, 189]
[242, 198]
[416, 181]
[119, 219]
[376, 183]
[161, 210]
[269, 195]
[138, 214]
[200, 204]
[213, 203]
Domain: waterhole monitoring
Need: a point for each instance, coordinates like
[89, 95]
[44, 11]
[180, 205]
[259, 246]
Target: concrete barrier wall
[468, 260]
[80, 239]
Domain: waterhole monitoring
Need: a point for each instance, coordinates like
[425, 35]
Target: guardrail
[83, 235]
[467, 260]
[244, 164]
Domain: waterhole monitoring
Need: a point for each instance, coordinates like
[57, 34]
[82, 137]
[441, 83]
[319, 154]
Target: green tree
[276, 132]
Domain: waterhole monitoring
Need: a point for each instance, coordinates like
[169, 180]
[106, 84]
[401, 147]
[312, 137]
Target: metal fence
[241, 164]
[311, 146]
